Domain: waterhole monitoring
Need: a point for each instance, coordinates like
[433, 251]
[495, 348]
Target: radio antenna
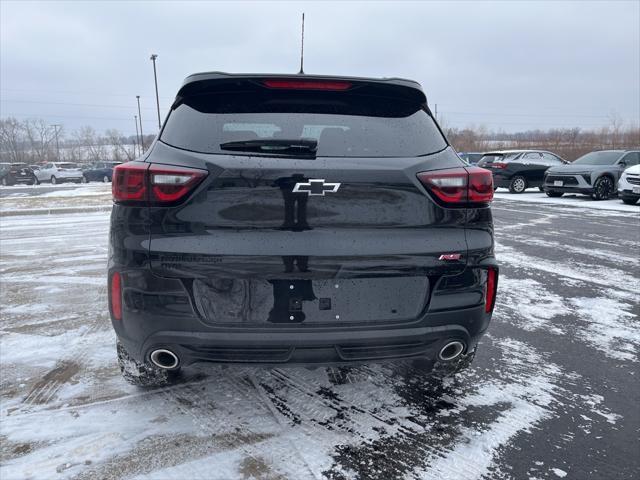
[301, 72]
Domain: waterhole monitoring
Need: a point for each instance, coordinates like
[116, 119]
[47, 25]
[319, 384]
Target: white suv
[59, 172]
[629, 185]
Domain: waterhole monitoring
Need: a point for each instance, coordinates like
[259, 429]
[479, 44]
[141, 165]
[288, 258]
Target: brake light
[116, 296]
[335, 85]
[157, 184]
[480, 185]
[491, 288]
[459, 186]
[499, 165]
[128, 182]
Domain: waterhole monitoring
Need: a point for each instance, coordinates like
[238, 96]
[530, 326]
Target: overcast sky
[507, 65]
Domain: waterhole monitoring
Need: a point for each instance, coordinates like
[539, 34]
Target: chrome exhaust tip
[451, 351]
[165, 359]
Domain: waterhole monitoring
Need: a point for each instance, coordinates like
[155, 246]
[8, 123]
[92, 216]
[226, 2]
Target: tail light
[335, 85]
[135, 182]
[491, 288]
[499, 165]
[459, 186]
[115, 297]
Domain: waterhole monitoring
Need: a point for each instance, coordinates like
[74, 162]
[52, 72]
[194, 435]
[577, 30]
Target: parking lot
[553, 392]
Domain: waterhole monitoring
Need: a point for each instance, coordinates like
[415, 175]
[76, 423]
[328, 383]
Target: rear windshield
[67, 165]
[344, 125]
[599, 158]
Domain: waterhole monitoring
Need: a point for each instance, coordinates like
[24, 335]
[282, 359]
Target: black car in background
[99, 172]
[12, 173]
[518, 170]
[472, 158]
[595, 174]
[299, 220]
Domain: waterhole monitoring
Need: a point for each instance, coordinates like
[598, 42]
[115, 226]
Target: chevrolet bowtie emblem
[316, 186]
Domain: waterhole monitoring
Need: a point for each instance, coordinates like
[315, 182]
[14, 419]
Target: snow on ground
[570, 200]
[549, 394]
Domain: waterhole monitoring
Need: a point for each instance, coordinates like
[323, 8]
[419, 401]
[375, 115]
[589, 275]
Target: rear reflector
[135, 182]
[116, 296]
[459, 186]
[335, 85]
[491, 288]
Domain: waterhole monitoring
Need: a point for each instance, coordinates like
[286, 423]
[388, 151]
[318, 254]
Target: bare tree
[12, 140]
[120, 151]
[40, 136]
[91, 144]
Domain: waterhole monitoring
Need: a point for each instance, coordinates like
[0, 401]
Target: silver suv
[594, 174]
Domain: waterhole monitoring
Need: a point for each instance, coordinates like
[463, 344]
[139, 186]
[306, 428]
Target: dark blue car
[99, 172]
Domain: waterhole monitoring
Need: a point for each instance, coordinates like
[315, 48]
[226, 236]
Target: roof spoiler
[225, 82]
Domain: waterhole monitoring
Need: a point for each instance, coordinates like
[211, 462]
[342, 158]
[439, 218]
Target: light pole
[140, 119]
[55, 128]
[155, 79]
[136, 145]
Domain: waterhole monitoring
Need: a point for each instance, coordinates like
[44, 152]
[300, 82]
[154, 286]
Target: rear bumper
[306, 346]
[146, 326]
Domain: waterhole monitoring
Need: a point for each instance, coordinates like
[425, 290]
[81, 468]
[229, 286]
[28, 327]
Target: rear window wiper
[280, 146]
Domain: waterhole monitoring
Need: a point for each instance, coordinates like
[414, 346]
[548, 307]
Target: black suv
[518, 170]
[12, 173]
[299, 220]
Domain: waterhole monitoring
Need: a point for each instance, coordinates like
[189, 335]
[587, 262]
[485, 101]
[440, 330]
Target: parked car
[518, 170]
[629, 185]
[101, 172]
[12, 173]
[472, 158]
[594, 174]
[329, 223]
[57, 172]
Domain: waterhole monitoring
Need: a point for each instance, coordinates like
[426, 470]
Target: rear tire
[554, 194]
[5, 182]
[84, 179]
[603, 188]
[142, 374]
[541, 189]
[105, 179]
[518, 184]
[629, 201]
[54, 180]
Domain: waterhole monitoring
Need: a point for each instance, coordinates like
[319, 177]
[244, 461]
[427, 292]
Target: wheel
[106, 179]
[84, 179]
[554, 194]
[603, 188]
[37, 182]
[54, 180]
[629, 200]
[518, 184]
[5, 182]
[32, 182]
[142, 374]
[541, 189]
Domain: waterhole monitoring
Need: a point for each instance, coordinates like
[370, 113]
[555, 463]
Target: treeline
[569, 143]
[35, 141]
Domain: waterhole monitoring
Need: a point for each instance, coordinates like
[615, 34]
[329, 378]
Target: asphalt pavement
[553, 393]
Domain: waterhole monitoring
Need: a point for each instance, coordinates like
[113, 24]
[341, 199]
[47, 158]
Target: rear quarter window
[343, 125]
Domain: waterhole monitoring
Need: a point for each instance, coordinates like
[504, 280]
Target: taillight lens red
[153, 183]
[295, 84]
[116, 296]
[459, 186]
[129, 182]
[491, 288]
[499, 165]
